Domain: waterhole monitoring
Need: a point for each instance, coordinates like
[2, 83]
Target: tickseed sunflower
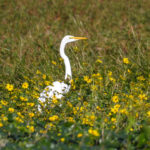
[53, 118]
[126, 61]
[115, 99]
[25, 85]
[11, 110]
[93, 132]
[1, 125]
[62, 139]
[79, 135]
[9, 87]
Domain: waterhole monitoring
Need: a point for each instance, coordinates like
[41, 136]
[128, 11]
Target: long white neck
[66, 60]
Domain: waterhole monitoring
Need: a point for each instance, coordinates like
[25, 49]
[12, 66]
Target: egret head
[70, 38]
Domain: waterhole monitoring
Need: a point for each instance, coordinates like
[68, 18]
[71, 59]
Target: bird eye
[71, 38]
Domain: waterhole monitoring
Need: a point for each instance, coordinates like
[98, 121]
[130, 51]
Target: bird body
[57, 89]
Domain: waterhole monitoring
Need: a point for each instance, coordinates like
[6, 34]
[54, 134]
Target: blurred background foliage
[31, 31]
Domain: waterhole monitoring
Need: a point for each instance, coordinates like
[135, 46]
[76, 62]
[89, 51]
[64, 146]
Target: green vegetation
[108, 106]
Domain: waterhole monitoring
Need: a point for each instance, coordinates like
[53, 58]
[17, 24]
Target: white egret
[57, 89]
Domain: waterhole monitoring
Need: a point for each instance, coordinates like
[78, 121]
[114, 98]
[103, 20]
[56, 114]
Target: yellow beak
[79, 38]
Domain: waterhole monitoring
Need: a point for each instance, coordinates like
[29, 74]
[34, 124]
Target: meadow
[108, 106]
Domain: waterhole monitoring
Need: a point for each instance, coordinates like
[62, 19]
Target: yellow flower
[54, 100]
[105, 93]
[99, 61]
[100, 78]
[31, 128]
[75, 110]
[3, 102]
[47, 83]
[79, 98]
[31, 115]
[53, 118]
[143, 97]
[72, 84]
[44, 76]
[123, 111]
[53, 62]
[148, 113]
[92, 117]
[115, 108]
[60, 59]
[129, 71]
[69, 104]
[126, 61]
[25, 85]
[131, 97]
[109, 114]
[98, 108]
[96, 75]
[136, 115]
[93, 87]
[113, 120]
[89, 120]
[43, 131]
[19, 114]
[59, 134]
[131, 129]
[93, 132]
[38, 72]
[49, 126]
[19, 120]
[4, 118]
[87, 79]
[113, 127]
[122, 78]
[140, 78]
[71, 120]
[79, 135]
[115, 99]
[23, 98]
[11, 110]
[30, 104]
[62, 139]
[105, 120]
[9, 87]
[112, 79]
[85, 121]
[109, 73]
[1, 125]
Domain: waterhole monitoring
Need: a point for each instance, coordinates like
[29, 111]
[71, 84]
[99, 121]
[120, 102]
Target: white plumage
[57, 89]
